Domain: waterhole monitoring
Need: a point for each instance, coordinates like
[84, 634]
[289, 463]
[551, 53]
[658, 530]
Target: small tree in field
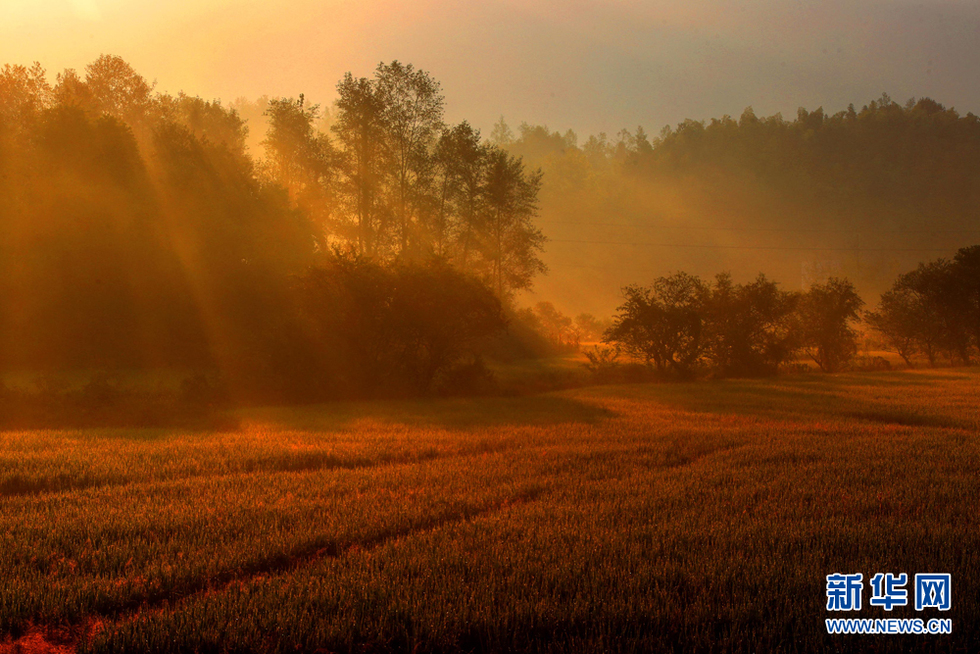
[602, 362]
[663, 325]
[934, 309]
[903, 318]
[825, 315]
[750, 329]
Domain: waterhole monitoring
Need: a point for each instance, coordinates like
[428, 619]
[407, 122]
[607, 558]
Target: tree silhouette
[511, 243]
[933, 309]
[364, 153]
[966, 269]
[663, 324]
[460, 160]
[826, 313]
[412, 111]
[749, 326]
[118, 90]
[301, 159]
[903, 318]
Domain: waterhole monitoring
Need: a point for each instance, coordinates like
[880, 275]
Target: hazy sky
[586, 65]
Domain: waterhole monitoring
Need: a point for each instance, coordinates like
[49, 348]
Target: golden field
[660, 517]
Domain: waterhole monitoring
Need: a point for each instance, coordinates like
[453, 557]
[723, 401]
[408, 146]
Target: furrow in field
[318, 550]
[18, 485]
[99, 551]
[64, 638]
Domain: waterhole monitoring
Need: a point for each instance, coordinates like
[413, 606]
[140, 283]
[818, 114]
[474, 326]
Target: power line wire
[747, 247]
[598, 223]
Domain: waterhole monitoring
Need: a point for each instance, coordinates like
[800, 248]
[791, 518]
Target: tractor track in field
[15, 486]
[64, 638]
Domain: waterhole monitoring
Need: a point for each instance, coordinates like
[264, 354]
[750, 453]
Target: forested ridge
[865, 193]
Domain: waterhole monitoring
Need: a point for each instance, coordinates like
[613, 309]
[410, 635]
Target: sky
[572, 64]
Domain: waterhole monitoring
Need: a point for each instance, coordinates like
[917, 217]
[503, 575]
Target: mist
[865, 193]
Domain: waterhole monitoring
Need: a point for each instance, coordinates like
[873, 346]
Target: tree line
[138, 231]
[682, 326]
[875, 189]
[397, 182]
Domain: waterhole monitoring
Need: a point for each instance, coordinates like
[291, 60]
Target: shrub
[394, 329]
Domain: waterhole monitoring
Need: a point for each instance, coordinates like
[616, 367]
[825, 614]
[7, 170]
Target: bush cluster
[359, 328]
[682, 325]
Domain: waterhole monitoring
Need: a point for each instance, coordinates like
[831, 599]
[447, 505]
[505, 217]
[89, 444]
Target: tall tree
[118, 90]
[364, 154]
[24, 93]
[24, 96]
[460, 159]
[412, 110]
[210, 121]
[501, 135]
[511, 243]
[413, 188]
[301, 158]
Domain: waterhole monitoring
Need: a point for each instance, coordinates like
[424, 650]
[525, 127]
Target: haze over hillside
[589, 65]
[865, 193]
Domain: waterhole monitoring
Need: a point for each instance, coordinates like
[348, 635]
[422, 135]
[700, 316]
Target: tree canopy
[137, 229]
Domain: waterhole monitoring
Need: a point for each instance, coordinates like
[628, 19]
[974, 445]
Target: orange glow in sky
[581, 64]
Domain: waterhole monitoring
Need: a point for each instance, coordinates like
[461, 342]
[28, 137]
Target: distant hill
[862, 193]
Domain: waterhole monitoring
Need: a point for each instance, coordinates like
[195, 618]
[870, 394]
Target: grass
[673, 517]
